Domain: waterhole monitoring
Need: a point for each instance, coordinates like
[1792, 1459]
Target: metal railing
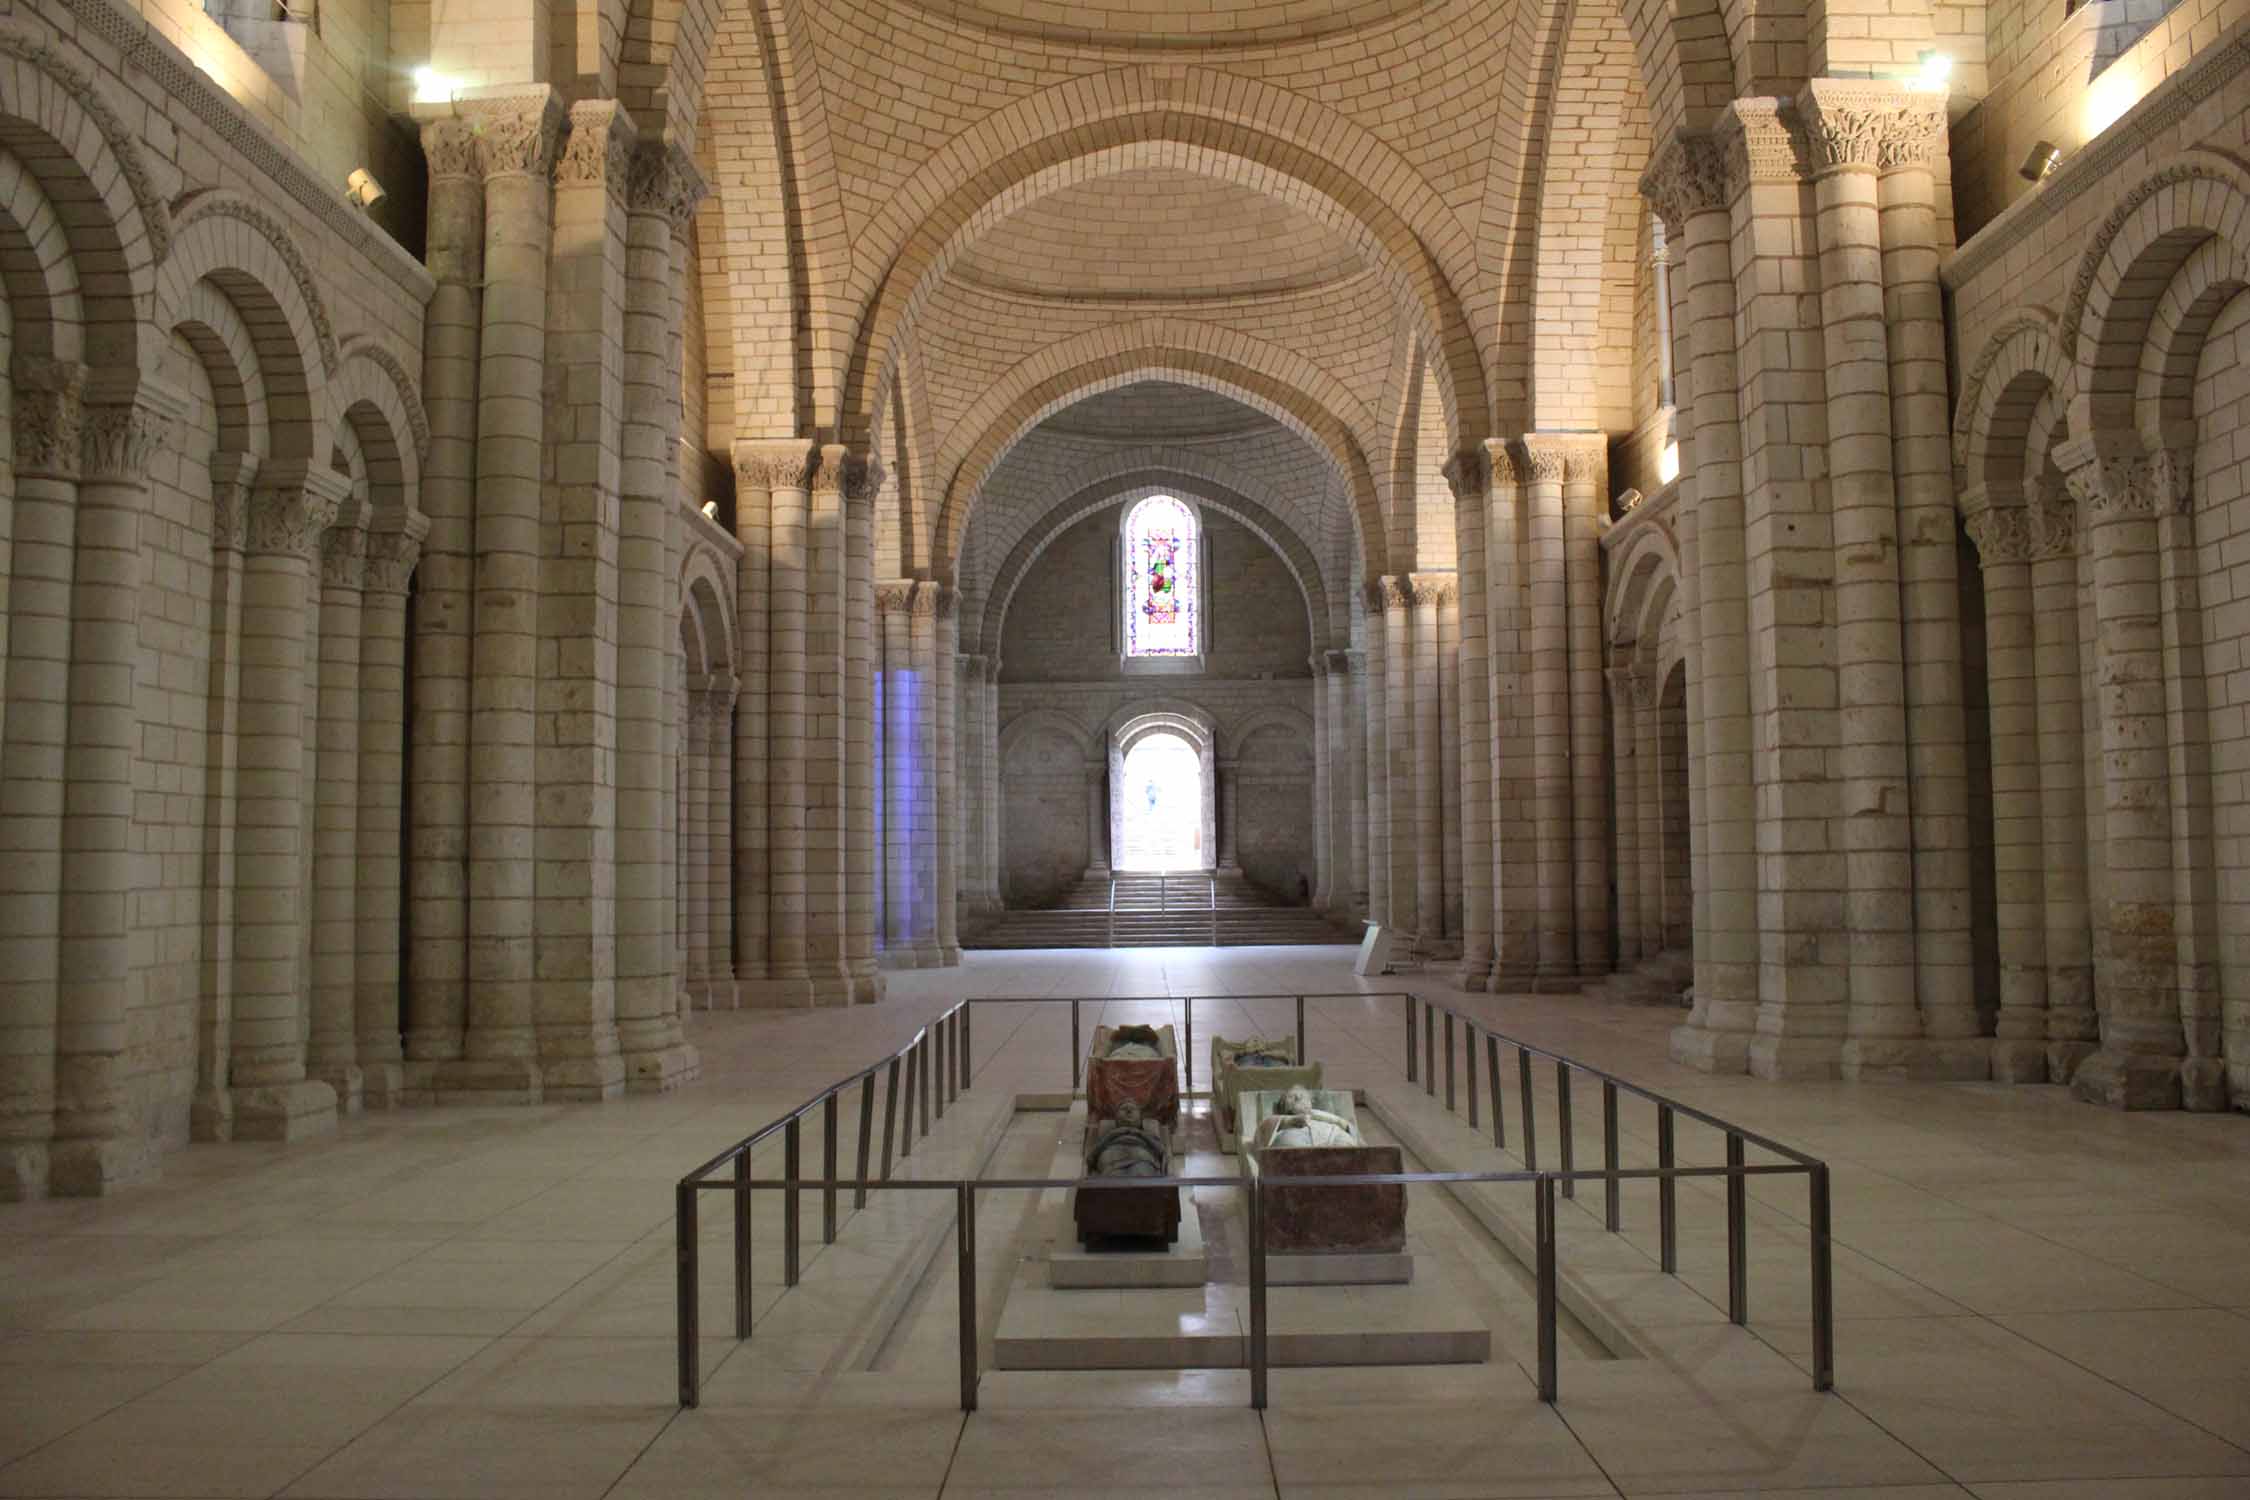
[941, 1050]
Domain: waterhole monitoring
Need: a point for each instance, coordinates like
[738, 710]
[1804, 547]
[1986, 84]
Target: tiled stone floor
[2038, 1300]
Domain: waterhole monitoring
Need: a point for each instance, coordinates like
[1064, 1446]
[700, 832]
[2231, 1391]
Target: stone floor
[2038, 1300]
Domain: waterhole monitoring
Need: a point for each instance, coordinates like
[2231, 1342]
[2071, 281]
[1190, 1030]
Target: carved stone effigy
[1351, 1219]
[1140, 1063]
[1258, 1063]
[1126, 1146]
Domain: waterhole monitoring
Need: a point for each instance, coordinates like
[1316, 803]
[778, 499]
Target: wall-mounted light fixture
[1936, 69]
[431, 86]
[362, 188]
[2042, 160]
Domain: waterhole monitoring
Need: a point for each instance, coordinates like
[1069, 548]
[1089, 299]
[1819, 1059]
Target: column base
[899, 958]
[1474, 975]
[23, 1172]
[661, 1069]
[1965, 1060]
[2203, 1084]
[487, 1080]
[2128, 1080]
[348, 1083]
[382, 1084]
[2065, 1058]
[795, 994]
[582, 1080]
[89, 1169]
[284, 1111]
[869, 988]
[211, 1115]
[949, 957]
[1791, 1059]
[718, 992]
[2019, 1062]
[1710, 1051]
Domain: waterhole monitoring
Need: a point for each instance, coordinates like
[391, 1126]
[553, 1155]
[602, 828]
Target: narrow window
[1163, 586]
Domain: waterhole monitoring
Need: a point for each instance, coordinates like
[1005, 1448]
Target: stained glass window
[1163, 592]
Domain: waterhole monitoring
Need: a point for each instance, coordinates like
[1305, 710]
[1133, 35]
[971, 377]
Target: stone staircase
[1653, 981]
[1193, 909]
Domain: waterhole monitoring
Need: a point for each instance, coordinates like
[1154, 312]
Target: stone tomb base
[1120, 1263]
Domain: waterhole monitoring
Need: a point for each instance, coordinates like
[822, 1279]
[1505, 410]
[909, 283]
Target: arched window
[1163, 579]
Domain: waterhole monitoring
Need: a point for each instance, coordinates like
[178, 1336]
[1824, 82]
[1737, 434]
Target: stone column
[1097, 823]
[1687, 184]
[273, 1098]
[1911, 138]
[776, 560]
[2072, 1031]
[1654, 781]
[762, 469]
[946, 802]
[1230, 829]
[1341, 809]
[1585, 517]
[1401, 757]
[893, 602]
[827, 712]
[393, 550]
[969, 674]
[211, 1113]
[1548, 635]
[501, 1049]
[1449, 753]
[922, 637]
[719, 992]
[1469, 475]
[334, 844]
[699, 751]
[48, 434]
[2001, 528]
[1323, 856]
[663, 188]
[438, 826]
[1376, 769]
[1428, 594]
[1628, 771]
[992, 781]
[1515, 870]
[1359, 710]
[2120, 496]
[862, 479]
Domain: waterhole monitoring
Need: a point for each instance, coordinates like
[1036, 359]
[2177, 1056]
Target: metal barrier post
[968, 1038]
[1429, 1050]
[1492, 1072]
[828, 1170]
[1738, 1235]
[1449, 1061]
[965, 1236]
[1187, 1011]
[922, 1083]
[866, 1138]
[789, 1206]
[1545, 1217]
[1564, 1144]
[890, 1116]
[1257, 1295]
[906, 1113]
[1530, 1120]
[1823, 1284]
[953, 1056]
[1410, 1039]
[1300, 1031]
[691, 1342]
[1610, 1217]
[1469, 1067]
[742, 1246]
[1667, 1194]
[1077, 1048]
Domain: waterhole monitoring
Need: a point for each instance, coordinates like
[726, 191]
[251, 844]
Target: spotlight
[1936, 69]
[431, 86]
[711, 509]
[362, 188]
[2042, 160]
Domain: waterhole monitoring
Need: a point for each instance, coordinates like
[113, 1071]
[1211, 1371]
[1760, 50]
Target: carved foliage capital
[1687, 177]
[120, 442]
[893, 598]
[49, 417]
[1434, 588]
[857, 475]
[1879, 126]
[288, 520]
[1469, 473]
[343, 557]
[2003, 534]
[598, 151]
[391, 556]
[1764, 141]
[519, 137]
[2135, 486]
[1389, 592]
[1559, 459]
[450, 146]
[767, 467]
[665, 180]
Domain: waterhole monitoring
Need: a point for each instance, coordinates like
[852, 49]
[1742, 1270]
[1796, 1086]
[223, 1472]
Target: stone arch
[2021, 359]
[37, 274]
[90, 167]
[1687, 62]
[1650, 554]
[1129, 726]
[2215, 273]
[220, 335]
[1128, 476]
[243, 252]
[373, 391]
[2127, 267]
[704, 593]
[1215, 123]
[1032, 720]
[1283, 385]
[1273, 716]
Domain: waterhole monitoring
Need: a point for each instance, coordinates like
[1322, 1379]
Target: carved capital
[391, 556]
[232, 475]
[2129, 486]
[49, 417]
[598, 151]
[1764, 142]
[1435, 588]
[1631, 685]
[1686, 177]
[857, 475]
[343, 558]
[1503, 462]
[1469, 473]
[1339, 663]
[665, 180]
[1870, 125]
[992, 669]
[1567, 458]
[2003, 534]
[288, 513]
[771, 466]
[1389, 592]
[893, 598]
[450, 147]
[119, 442]
[517, 137]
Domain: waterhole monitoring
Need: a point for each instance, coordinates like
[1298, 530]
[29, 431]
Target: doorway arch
[1180, 830]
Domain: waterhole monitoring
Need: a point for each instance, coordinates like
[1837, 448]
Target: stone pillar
[862, 650]
[922, 640]
[48, 434]
[393, 550]
[2072, 1030]
[1654, 780]
[827, 715]
[1323, 854]
[2121, 494]
[1548, 634]
[2001, 528]
[1585, 517]
[1628, 772]
[1515, 870]
[334, 844]
[992, 781]
[211, 1114]
[1341, 809]
[1401, 758]
[1230, 830]
[500, 1053]
[719, 992]
[892, 606]
[663, 188]
[1376, 770]
[699, 751]
[437, 955]
[969, 673]
[946, 799]
[1469, 475]
[1687, 183]
[769, 741]
[273, 1098]
[1358, 794]
[1097, 823]
[1428, 595]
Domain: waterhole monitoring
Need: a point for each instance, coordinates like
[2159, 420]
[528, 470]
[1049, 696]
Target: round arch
[1130, 727]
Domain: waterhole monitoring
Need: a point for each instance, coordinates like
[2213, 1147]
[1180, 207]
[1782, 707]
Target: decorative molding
[2189, 170]
[2207, 74]
[276, 234]
[122, 140]
[2030, 320]
[520, 142]
[288, 520]
[1390, 592]
[391, 556]
[343, 558]
[2131, 486]
[1434, 588]
[1870, 125]
[924, 602]
[140, 44]
[770, 466]
[1763, 141]
[2054, 522]
[893, 598]
[664, 179]
[2003, 534]
[232, 474]
[1469, 474]
[49, 417]
[598, 149]
[120, 442]
[449, 145]
[836, 469]
[1687, 177]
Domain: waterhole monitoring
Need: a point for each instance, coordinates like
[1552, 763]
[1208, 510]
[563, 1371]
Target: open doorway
[1161, 812]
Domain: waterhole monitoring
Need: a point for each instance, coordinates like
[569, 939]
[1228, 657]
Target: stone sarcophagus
[1119, 1149]
[1140, 1063]
[1259, 1063]
[1304, 1132]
